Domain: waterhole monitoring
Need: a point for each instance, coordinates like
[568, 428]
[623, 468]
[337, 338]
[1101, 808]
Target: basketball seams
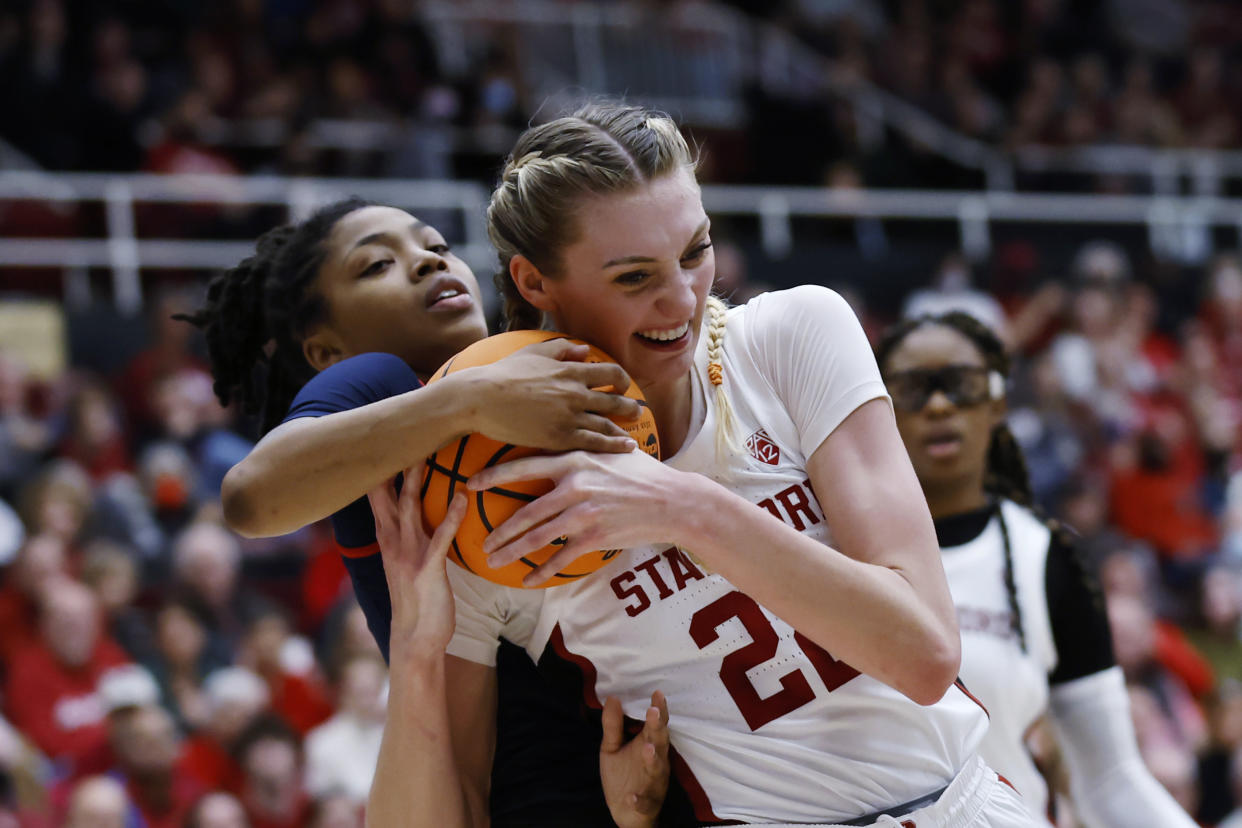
[474, 452]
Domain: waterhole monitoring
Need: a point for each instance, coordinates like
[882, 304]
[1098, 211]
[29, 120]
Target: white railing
[1177, 228]
[124, 253]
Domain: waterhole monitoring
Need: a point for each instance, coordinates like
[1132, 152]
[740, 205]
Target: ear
[322, 348]
[532, 284]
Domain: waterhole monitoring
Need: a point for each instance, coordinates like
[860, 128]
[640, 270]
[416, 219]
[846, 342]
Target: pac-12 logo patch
[762, 448]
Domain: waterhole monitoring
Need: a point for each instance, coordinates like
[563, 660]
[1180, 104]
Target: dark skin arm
[541, 396]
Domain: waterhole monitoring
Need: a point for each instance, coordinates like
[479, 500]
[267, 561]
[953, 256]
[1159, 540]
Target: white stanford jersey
[1063, 624]
[765, 725]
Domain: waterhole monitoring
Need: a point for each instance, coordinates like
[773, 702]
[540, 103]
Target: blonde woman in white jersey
[781, 581]
[1035, 635]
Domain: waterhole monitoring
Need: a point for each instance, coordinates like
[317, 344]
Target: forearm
[868, 615]
[416, 782]
[308, 468]
[1111, 785]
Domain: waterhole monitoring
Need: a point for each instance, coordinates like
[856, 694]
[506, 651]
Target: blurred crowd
[1161, 73]
[156, 664]
[156, 85]
[159, 670]
[241, 85]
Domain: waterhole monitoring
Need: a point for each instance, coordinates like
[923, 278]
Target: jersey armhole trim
[360, 551]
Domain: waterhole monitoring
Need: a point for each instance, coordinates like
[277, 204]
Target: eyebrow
[383, 235]
[629, 260]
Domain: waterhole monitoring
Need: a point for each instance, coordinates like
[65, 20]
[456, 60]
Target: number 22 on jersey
[795, 689]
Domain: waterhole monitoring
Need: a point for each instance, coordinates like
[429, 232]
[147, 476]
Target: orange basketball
[450, 467]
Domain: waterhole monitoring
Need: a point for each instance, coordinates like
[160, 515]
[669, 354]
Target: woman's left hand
[599, 501]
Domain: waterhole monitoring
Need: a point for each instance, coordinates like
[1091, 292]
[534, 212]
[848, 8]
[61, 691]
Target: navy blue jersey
[546, 769]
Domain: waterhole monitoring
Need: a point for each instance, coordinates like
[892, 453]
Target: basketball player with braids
[1035, 635]
[779, 579]
[326, 333]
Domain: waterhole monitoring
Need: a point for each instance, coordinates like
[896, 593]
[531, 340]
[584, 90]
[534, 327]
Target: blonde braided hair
[718, 321]
[602, 148]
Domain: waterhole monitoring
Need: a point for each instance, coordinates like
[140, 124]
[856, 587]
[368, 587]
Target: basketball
[449, 469]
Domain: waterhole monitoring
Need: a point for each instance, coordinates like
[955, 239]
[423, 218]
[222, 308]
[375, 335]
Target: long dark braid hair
[257, 314]
[1005, 476]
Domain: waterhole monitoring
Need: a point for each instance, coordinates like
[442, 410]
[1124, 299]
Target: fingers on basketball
[449, 469]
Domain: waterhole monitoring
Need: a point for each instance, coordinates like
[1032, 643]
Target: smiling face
[392, 285]
[947, 442]
[635, 283]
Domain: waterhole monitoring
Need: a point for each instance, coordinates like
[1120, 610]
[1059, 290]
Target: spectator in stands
[271, 758]
[167, 354]
[1167, 710]
[1156, 491]
[111, 571]
[1051, 432]
[236, 698]
[336, 811]
[99, 802]
[58, 501]
[286, 663]
[206, 561]
[52, 694]
[182, 660]
[122, 691]
[218, 810]
[23, 774]
[341, 753]
[1220, 315]
[952, 289]
[95, 436]
[187, 414]
[147, 750]
[24, 435]
[169, 481]
[345, 637]
[1218, 635]
[40, 559]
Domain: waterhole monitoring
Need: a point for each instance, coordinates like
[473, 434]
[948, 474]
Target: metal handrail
[1166, 218]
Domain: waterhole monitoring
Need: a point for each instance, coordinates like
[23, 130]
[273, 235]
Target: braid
[1011, 586]
[717, 323]
[235, 325]
[257, 313]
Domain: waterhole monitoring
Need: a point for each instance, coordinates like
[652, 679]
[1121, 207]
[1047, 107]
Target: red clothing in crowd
[324, 580]
[300, 701]
[19, 624]
[298, 819]
[99, 461]
[58, 707]
[1163, 506]
[206, 760]
[183, 793]
[1177, 655]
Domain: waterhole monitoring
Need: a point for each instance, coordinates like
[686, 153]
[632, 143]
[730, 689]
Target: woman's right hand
[542, 396]
[414, 564]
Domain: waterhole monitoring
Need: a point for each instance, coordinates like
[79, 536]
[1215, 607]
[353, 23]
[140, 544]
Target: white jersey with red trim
[765, 725]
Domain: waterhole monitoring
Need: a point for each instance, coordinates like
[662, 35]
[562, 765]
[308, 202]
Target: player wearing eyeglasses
[1035, 636]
